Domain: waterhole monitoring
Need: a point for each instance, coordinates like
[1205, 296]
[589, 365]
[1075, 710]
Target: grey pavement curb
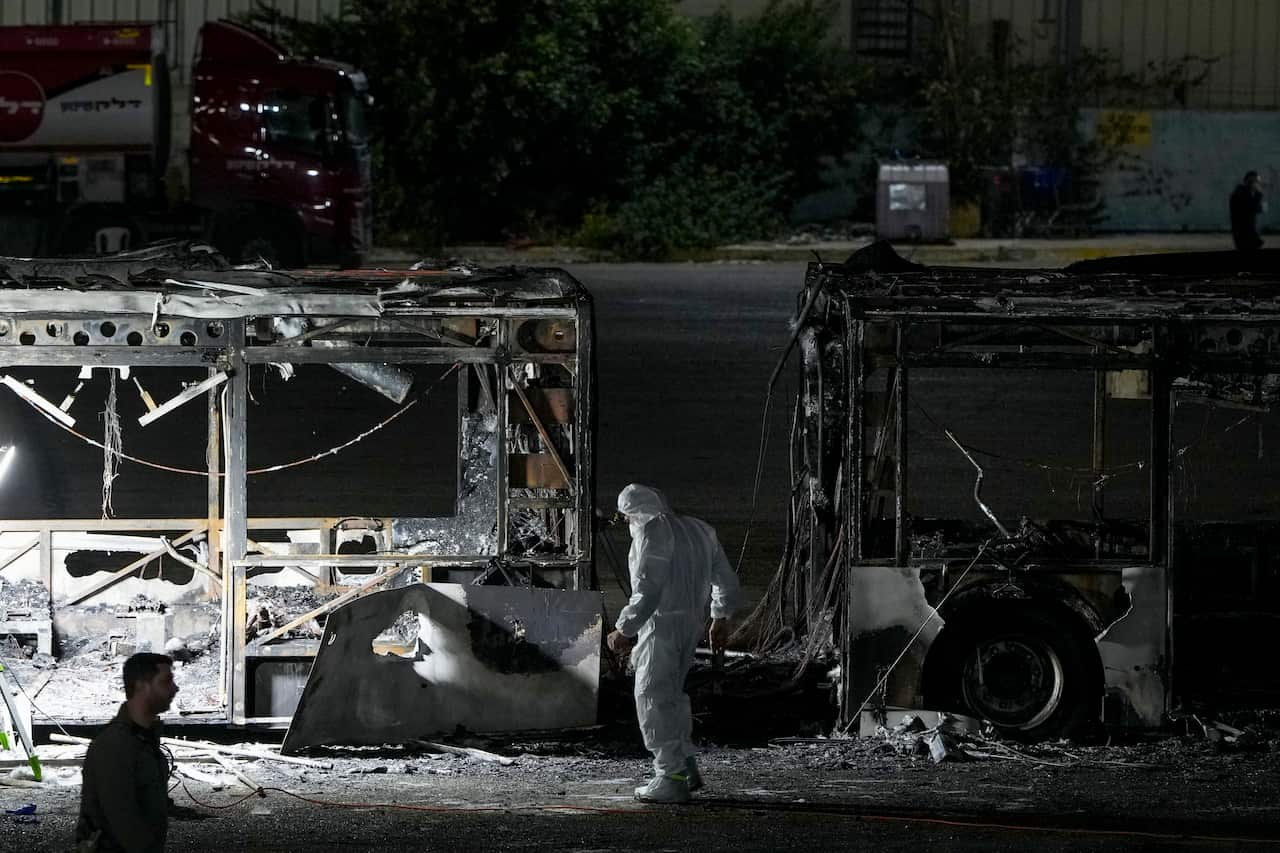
[1015, 253]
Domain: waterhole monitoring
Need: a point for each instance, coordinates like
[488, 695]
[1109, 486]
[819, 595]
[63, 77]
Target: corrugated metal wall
[841, 13]
[1243, 35]
[1035, 25]
[180, 19]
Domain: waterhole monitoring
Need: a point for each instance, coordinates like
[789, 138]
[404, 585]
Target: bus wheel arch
[1030, 667]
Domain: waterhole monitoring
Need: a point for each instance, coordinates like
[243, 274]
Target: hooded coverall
[677, 567]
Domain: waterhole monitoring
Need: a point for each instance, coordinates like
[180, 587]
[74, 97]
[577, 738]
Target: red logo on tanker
[21, 106]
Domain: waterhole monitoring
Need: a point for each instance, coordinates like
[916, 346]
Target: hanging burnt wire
[798, 616]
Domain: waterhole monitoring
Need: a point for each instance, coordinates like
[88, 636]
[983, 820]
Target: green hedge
[617, 122]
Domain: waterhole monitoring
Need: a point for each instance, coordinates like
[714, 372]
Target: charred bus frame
[520, 345]
[1034, 627]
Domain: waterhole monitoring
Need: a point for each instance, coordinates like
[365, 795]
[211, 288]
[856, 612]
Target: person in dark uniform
[124, 800]
[1246, 204]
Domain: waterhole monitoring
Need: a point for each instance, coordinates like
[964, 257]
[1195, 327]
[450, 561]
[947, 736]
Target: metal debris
[488, 658]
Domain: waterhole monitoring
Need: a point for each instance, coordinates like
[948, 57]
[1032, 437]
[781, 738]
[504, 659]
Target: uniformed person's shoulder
[121, 732]
[111, 738]
[700, 524]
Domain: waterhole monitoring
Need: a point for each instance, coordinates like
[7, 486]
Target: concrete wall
[1178, 176]
[1034, 25]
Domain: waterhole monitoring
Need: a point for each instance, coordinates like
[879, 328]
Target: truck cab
[279, 154]
[276, 163]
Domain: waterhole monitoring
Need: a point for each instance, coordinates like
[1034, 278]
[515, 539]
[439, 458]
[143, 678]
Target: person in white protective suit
[677, 569]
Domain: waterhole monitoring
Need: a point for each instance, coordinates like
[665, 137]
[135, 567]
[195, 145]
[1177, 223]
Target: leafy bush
[683, 211]
[601, 116]
[977, 112]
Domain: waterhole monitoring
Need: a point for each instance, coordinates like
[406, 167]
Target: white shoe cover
[664, 789]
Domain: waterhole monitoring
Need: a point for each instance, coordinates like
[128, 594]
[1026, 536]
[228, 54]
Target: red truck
[275, 165]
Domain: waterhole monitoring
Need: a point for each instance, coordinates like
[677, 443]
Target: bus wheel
[1025, 671]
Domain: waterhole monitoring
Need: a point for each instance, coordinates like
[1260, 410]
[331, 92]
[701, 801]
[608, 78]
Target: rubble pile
[142, 604]
[11, 649]
[82, 680]
[294, 600]
[954, 738]
[275, 606]
[1239, 731]
[27, 597]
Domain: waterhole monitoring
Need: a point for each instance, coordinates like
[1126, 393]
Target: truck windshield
[294, 120]
[351, 113]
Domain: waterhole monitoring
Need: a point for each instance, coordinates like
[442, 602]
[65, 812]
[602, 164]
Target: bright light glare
[6, 459]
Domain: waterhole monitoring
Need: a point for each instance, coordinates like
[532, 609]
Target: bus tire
[1034, 675]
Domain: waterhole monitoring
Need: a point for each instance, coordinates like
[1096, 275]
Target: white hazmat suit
[677, 569]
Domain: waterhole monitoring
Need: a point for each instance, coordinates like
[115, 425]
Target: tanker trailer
[276, 164]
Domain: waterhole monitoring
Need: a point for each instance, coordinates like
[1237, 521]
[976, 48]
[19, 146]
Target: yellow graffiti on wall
[1125, 127]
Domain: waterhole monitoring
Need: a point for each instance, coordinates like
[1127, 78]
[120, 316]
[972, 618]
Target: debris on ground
[23, 814]
[828, 232]
[1253, 731]
[25, 596]
[186, 649]
[468, 752]
[274, 607]
[83, 681]
[953, 738]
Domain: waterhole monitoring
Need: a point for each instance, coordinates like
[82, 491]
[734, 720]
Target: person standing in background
[1246, 206]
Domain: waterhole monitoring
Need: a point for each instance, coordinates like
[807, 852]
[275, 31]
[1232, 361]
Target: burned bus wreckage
[1039, 498]
[361, 503]
[212, 461]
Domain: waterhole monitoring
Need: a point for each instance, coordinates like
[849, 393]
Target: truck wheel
[1024, 670]
[256, 239]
